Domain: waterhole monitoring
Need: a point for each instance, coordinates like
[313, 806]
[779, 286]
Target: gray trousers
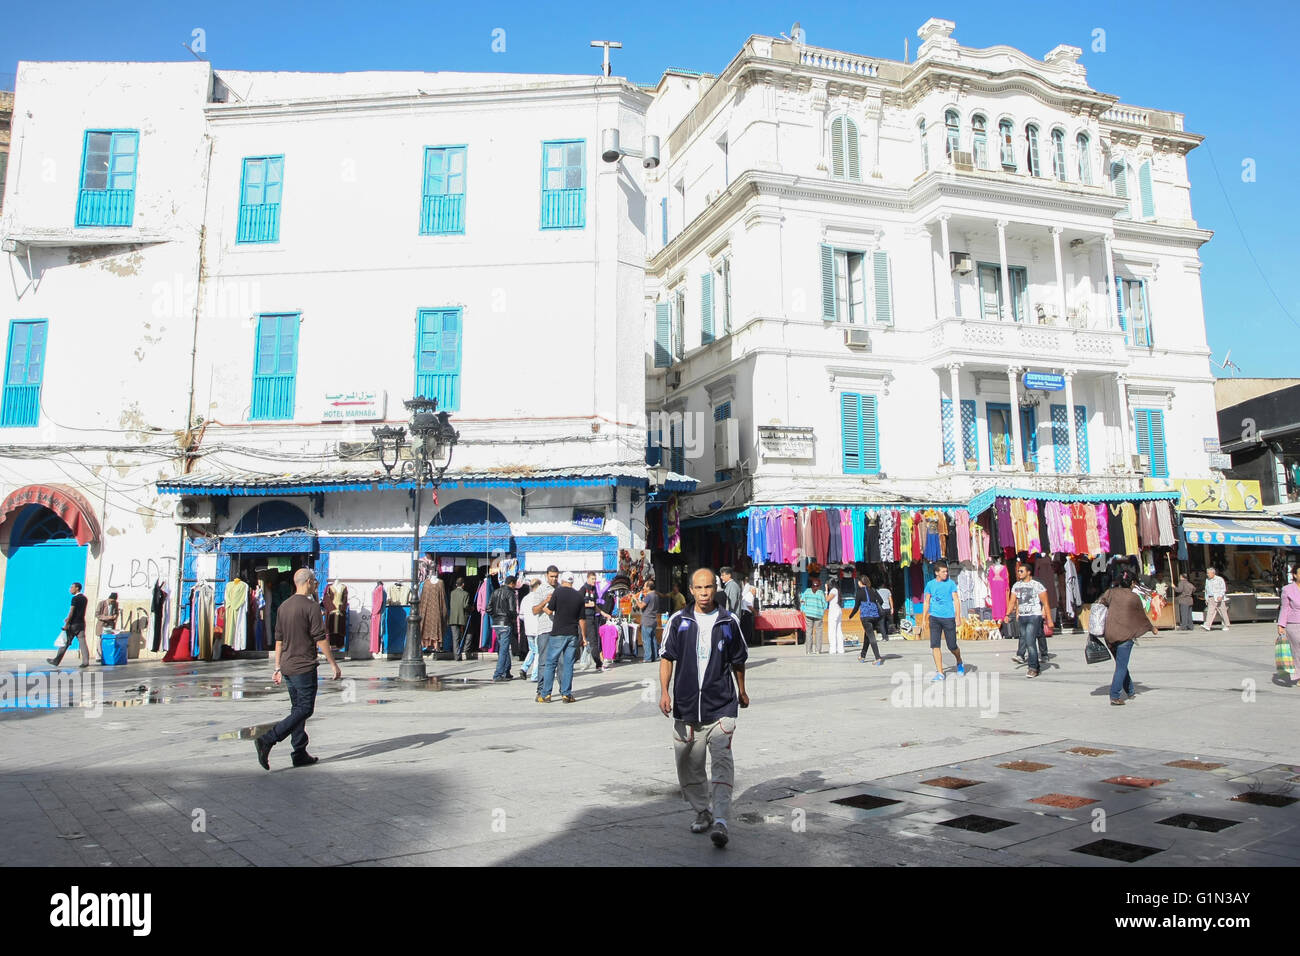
[1184, 617]
[692, 743]
[814, 636]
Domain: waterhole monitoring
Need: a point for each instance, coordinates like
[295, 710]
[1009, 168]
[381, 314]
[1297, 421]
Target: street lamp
[432, 442]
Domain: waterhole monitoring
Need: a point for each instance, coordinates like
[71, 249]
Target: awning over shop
[984, 500]
[1257, 532]
[73, 509]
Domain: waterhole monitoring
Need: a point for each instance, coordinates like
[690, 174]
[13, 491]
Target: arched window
[979, 127]
[1085, 158]
[1005, 132]
[925, 146]
[953, 124]
[844, 148]
[1031, 139]
[1058, 154]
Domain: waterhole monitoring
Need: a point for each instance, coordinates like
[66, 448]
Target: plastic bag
[1095, 651]
[1097, 619]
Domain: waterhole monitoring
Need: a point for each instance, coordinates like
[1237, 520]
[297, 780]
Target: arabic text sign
[354, 406]
[787, 442]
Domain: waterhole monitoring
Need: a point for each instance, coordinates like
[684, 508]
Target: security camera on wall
[611, 151]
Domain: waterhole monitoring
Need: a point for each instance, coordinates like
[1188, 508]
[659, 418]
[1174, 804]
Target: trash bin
[114, 648]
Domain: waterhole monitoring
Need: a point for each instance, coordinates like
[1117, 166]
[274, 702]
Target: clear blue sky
[1229, 68]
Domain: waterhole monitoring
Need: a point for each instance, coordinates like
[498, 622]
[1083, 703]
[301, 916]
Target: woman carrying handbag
[1288, 626]
[1126, 619]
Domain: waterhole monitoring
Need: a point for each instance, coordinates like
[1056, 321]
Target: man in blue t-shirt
[942, 609]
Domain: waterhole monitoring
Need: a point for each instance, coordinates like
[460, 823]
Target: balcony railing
[442, 215]
[272, 397]
[105, 207]
[564, 208]
[1136, 116]
[839, 62]
[443, 386]
[1033, 341]
[22, 406]
[260, 223]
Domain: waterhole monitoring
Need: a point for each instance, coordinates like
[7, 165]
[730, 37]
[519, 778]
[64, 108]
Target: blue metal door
[36, 593]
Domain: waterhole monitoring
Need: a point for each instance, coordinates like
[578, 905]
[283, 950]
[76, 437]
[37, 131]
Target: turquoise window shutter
[1029, 434]
[837, 147]
[1081, 436]
[259, 200]
[828, 284]
[1143, 428]
[870, 436]
[851, 432]
[275, 368]
[1119, 302]
[1146, 312]
[25, 369]
[663, 218]
[968, 428]
[564, 184]
[884, 300]
[949, 443]
[438, 357]
[1144, 191]
[663, 335]
[108, 168]
[1061, 439]
[1159, 461]
[706, 307]
[442, 203]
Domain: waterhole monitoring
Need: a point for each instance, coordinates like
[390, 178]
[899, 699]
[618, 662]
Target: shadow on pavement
[412, 741]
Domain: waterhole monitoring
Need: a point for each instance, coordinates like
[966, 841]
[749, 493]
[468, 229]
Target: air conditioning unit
[857, 339]
[726, 444]
[1141, 463]
[193, 511]
[961, 263]
[963, 160]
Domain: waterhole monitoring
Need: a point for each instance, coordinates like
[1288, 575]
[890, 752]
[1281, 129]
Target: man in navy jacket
[703, 647]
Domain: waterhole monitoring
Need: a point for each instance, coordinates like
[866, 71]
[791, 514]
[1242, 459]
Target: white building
[833, 242]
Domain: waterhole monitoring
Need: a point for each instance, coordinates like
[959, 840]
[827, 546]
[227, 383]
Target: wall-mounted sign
[1198, 494]
[787, 441]
[594, 520]
[1220, 461]
[1211, 445]
[1044, 382]
[354, 406]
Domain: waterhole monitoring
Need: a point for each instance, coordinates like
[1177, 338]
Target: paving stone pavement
[470, 772]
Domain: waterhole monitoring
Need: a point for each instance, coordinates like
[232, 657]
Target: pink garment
[1290, 613]
[1031, 526]
[376, 616]
[963, 535]
[847, 554]
[480, 599]
[1103, 530]
[1067, 543]
[789, 536]
[999, 590]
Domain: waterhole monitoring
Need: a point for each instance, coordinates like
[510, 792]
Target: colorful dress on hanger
[1033, 538]
[904, 539]
[1129, 514]
[1002, 512]
[1103, 530]
[999, 589]
[377, 601]
[1165, 524]
[789, 536]
[962, 521]
[1067, 527]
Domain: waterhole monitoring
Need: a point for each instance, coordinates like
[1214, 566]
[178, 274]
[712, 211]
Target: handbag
[1097, 619]
[1283, 657]
[1095, 651]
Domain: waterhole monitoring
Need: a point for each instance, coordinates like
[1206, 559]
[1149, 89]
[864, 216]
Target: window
[925, 147]
[1058, 154]
[844, 148]
[1061, 438]
[663, 335]
[1005, 132]
[442, 206]
[1134, 315]
[706, 308]
[1002, 435]
[721, 412]
[108, 163]
[564, 184]
[981, 141]
[654, 453]
[967, 432]
[676, 445]
[1084, 150]
[663, 218]
[1031, 138]
[722, 281]
[849, 283]
[275, 367]
[679, 324]
[1150, 424]
[1119, 185]
[860, 451]
[24, 369]
[952, 125]
[259, 199]
[437, 357]
[992, 305]
[1145, 195]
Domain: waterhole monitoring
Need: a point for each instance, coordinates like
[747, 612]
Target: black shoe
[719, 834]
[306, 760]
[263, 753]
[51, 660]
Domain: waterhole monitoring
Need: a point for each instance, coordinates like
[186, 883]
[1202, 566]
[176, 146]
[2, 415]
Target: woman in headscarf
[1126, 619]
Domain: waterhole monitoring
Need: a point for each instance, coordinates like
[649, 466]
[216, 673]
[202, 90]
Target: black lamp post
[432, 442]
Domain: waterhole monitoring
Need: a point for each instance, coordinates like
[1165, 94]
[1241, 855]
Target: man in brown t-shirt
[299, 630]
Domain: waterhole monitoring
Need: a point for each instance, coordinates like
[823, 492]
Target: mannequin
[236, 614]
[999, 589]
[377, 601]
[336, 613]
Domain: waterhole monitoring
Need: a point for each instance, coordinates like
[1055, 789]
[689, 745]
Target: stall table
[781, 620]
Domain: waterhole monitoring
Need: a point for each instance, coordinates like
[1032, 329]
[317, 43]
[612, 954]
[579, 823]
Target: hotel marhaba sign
[1199, 494]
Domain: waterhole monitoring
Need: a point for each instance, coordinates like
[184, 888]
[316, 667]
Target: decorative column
[1060, 274]
[1006, 275]
[958, 426]
[1012, 374]
[1121, 381]
[953, 298]
[1076, 463]
[1111, 308]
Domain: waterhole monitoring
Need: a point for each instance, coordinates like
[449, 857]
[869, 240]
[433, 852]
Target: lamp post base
[412, 670]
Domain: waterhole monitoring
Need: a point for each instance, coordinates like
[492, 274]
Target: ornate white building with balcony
[865, 263]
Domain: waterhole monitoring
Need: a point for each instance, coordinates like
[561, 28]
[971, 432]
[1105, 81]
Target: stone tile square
[1063, 801]
[1025, 766]
[1124, 780]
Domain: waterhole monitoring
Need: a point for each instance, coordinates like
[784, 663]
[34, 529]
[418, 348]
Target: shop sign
[595, 520]
[1199, 494]
[780, 441]
[354, 406]
[1044, 382]
[1211, 445]
[1220, 461]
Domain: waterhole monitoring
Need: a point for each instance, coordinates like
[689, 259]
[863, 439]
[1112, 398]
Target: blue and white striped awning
[1255, 531]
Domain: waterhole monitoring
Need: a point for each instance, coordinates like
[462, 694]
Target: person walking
[299, 631]
[458, 617]
[834, 618]
[942, 607]
[813, 604]
[748, 608]
[1126, 620]
[542, 612]
[1288, 617]
[1032, 609]
[702, 682]
[868, 605]
[1216, 589]
[648, 602]
[886, 612]
[731, 592]
[1183, 602]
[503, 608]
[531, 621]
[591, 618]
[74, 627]
[565, 606]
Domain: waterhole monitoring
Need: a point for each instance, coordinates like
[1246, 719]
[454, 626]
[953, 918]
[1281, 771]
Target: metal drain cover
[1117, 850]
[977, 824]
[865, 801]
[1194, 821]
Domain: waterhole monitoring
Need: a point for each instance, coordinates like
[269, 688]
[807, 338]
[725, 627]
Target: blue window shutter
[442, 203]
[275, 367]
[851, 432]
[261, 186]
[706, 307]
[24, 370]
[968, 428]
[564, 184]
[1029, 434]
[1119, 302]
[107, 182]
[1119, 176]
[653, 452]
[663, 335]
[1159, 461]
[1146, 312]
[1061, 439]
[949, 443]
[828, 284]
[1142, 426]
[1144, 191]
[884, 300]
[438, 357]
[870, 436]
[663, 217]
[722, 411]
[1081, 436]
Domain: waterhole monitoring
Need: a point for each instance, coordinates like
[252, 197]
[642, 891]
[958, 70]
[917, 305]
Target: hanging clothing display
[1148, 527]
[789, 537]
[1019, 526]
[433, 612]
[202, 617]
[237, 615]
[1033, 538]
[1073, 595]
[999, 590]
[1068, 543]
[1002, 512]
[1079, 514]
[963, 536]
[336, 613]
[806, 541]
[1130, 528]
[1103, 529]
[1165, 524]
[980, 545]
[155, 612]
[378, 600]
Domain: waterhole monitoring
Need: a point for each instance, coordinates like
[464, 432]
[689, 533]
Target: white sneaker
[703, 820]
[1205, 627]
[1226, 628]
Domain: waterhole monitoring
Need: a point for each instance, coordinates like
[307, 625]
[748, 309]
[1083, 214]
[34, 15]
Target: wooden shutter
[851, 150]
[870, 436]
[884, 301]
[1081, 436]
[1144, 191]
[1119, 302]
[663, 331]
[851, 432]
[1119, 176]
[706, 308]
[837, 147]
[1159, 461]
[1061, 439]
[828, 284]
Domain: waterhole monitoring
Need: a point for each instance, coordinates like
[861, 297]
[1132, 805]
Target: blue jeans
[649, 648]
[561, 646]
[1031, 631]
[1121, 680]
[302, 695]
[539, 667]
[504, 633]
[532, 654]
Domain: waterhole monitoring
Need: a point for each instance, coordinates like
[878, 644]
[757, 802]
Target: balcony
[444, 387]
[564, 208]
[442, 215]
[260, 223]
[22, 406]
[272, 397]
[1048, 344]
[105, 207]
